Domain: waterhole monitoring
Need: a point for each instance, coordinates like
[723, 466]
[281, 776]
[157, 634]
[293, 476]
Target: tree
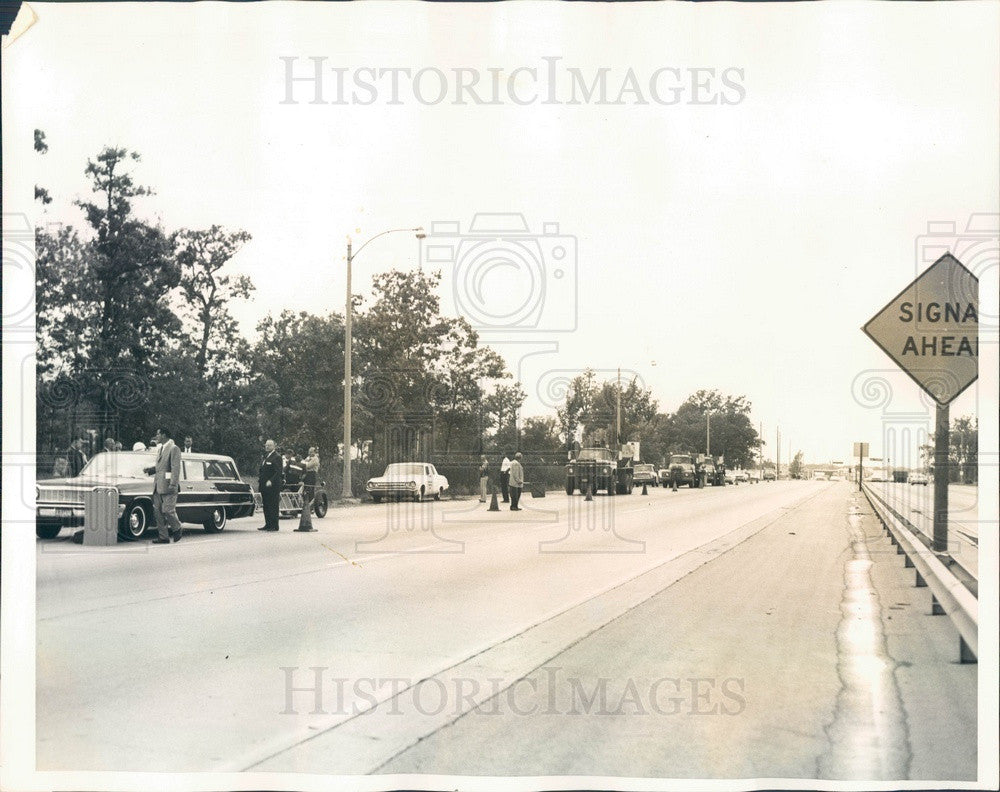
[299, 362]
[207, 291]
[796, 468]
[132, 266]
[732, 434]
[41, 194]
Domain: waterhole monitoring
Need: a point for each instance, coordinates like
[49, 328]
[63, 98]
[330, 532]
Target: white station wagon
[415, 480]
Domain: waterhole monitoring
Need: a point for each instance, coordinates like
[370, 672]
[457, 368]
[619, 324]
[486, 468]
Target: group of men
[279, 472]
[511, 480]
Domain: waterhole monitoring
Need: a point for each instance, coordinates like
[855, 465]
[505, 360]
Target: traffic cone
[673, 485]
[493, 503]
[644, 490]
[590, 494]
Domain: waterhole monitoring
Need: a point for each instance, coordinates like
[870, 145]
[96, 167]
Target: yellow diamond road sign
[931, 329]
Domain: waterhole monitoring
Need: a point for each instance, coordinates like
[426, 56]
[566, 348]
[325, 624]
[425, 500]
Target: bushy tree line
[134, 329]
[588, 417]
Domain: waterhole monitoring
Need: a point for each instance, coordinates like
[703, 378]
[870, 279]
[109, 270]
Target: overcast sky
[738, 246]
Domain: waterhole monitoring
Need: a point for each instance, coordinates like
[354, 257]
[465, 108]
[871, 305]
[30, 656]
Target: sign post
[931, 331]
[860, 451]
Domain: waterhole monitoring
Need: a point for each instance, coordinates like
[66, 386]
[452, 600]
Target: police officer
[269, 481]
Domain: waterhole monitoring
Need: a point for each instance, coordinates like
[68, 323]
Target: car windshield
[404, 469]
[595, 454]
[680, 459]
[644, 468]
[114, 464]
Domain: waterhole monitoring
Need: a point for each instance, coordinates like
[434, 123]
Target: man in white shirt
[505, 478]
[516, 482]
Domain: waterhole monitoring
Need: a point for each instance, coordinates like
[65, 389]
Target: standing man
[505, 478]
[109, 444]
[516, 482]
[484, 478]
[311, 466]
[187, 445]
[166, 485]
[75, 456]
[269, 482]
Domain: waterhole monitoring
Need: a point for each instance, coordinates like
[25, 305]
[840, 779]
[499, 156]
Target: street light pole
[347, 491]
[708, 433]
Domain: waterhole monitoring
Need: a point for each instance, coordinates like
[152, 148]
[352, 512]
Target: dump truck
[600, 470]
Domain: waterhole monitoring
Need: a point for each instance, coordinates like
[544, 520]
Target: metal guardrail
[950, 596]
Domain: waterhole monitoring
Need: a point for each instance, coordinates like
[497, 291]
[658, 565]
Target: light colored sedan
[918, 478]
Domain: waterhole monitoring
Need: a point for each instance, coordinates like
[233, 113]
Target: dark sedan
[211, 492]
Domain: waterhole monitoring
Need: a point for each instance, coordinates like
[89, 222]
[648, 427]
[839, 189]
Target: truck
[596, 469]
[682, 470]
[716, 471]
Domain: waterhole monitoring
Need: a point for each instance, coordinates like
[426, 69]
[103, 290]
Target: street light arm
[390, 231]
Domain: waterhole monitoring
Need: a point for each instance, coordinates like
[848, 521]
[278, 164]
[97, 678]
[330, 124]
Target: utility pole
[347, 493]
[777, 454]
[708, 433]
[618, 412]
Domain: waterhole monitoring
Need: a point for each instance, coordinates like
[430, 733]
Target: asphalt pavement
[376, 643]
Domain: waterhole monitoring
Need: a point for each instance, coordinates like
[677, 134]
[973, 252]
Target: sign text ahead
[931, 329]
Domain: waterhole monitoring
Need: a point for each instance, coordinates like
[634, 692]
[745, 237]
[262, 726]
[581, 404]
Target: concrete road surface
[751, 631]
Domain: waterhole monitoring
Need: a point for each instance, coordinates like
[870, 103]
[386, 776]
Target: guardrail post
[908, 562]
[921, 583]
[936, 609]
[899, 549]
[965, 654]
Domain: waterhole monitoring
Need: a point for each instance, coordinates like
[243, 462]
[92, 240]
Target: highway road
[754, 631]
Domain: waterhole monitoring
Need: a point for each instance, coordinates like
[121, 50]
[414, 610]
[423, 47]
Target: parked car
[769, 475]
[645, 474]
[731, 477]
[415, 480]
[211, 492]
[919, 478]
[742, 476]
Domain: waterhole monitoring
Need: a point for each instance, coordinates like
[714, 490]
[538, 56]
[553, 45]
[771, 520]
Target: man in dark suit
[269, 482]
[187, 445]
[77, 459]
[166, 487]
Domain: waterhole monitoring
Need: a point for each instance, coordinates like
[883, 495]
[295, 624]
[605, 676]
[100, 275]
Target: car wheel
[419, 496]
[320, 505]
[47, 531]
[569, 486]
[134, 523]
[217, 521]
[376, 498]
[439, 494]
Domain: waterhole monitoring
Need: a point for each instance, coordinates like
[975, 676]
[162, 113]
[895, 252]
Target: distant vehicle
[742, 476]
[645, 474]
[682, 470]
[918, 478]
[416, 480]
[836, 478]
[731, 477]
[596, 469]
[663, 474]
[769, 475]
[818, 476]
[211, 492]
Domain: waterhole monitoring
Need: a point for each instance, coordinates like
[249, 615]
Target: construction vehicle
[716, 471]
[600, 469]
[683, 470]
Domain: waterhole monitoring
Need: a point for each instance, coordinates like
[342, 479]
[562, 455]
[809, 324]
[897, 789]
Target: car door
[193, 501]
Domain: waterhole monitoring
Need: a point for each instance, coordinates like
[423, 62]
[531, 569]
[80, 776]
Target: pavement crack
[868, 735]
